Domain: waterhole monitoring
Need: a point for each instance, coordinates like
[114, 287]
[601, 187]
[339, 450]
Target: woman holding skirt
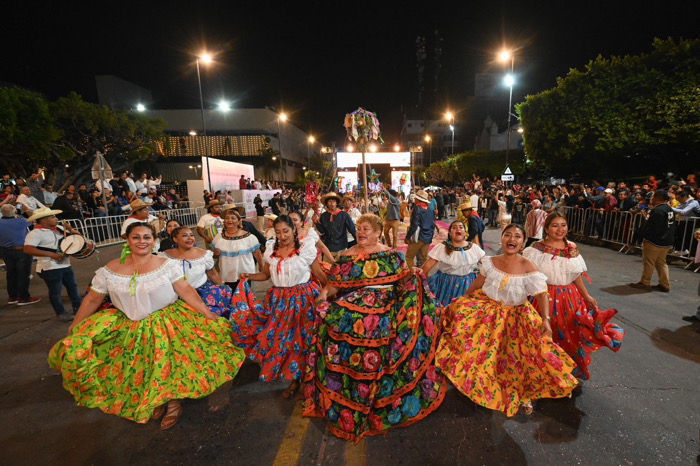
[578, 326]
[456, 260]
[281, 336]
[157, 344]
[372, 366]
[495, 348]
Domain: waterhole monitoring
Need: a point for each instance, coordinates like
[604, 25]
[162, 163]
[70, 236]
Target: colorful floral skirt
[282, 345]
[447, 288]
[578, 330]
[496, 356]
[129, 368]
[373, 365]
[248, 318]
[217, 297]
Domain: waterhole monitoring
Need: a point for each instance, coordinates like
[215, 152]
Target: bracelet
[546, 318]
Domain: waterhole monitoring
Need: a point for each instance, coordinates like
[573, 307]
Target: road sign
[507, 177]
[507, 171]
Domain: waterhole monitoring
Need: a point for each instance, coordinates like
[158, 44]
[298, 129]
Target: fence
[622, 229]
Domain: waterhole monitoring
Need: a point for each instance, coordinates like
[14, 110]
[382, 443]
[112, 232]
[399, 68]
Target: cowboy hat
[43, 213]
[331, 195]
[465, 205]
[137, 205]
[272, 217]
[422, 196]
[213, 203]
[348, 198]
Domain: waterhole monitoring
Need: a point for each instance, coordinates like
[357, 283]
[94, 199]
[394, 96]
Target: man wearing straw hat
[473, 223]
[334, 225]
[210, 224]
[420, 231]
[52, 266]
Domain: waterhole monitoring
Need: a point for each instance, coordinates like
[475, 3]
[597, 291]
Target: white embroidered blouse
[559, 269]
[509, 289]
[141, 295]
[194, 270]
[461, 262]
[292, 270]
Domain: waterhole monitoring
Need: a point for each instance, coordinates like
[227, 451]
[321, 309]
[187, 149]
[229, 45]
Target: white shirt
[132, 185]
[30, 202]
[560, 271]
[474, 200]
[50, 197]
[141, 186]
[295, 269]
[236, 255]
[149, 293]
[47, 238]
[459, 262]
[153, 183]
[212, 224]
[508, 289]
[194, 270]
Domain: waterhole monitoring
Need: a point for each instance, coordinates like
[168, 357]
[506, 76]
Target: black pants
[18, 266]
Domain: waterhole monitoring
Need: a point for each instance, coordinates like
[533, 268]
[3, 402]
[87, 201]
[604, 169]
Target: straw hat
[465, 205]
[43, 213]
[138, 204]
[272, 217]
[348, 198]
[331, 195]
[213, 203]
[422, 196]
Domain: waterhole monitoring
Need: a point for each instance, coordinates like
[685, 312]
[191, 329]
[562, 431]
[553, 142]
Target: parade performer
[282, 343]
[456, 260]
[495, 348]
[149, 348]
[270, 228]
[308, 234]
[334, 225]
[372, 364]
[239, 249]
[197, 266]
[578, 326]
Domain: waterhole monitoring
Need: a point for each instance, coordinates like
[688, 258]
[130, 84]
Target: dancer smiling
[579, 327]
[456, 260]
[496, 349]
[149, 348]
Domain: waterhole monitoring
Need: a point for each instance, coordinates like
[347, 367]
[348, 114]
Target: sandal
[158, 412]
[171, 416]
[291, 390]
[527, 408]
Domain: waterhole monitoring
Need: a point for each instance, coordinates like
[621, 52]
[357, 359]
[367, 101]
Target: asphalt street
[640, 406]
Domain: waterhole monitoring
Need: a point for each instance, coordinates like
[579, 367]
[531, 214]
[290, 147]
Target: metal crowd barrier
[622, 229]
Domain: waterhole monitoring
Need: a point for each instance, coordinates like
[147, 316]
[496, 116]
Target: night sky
[318, 61]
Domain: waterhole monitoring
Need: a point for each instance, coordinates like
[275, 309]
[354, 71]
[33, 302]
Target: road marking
[356, 455]
[290, 449]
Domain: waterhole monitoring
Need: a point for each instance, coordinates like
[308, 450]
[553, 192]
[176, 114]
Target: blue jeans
[19, 267]
[55, 280]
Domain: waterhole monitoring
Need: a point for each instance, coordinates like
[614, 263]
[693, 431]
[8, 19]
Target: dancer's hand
[244, 276]
[323, 296]
[546, 328]
[210, 315]
[591, 303]
[416, 270]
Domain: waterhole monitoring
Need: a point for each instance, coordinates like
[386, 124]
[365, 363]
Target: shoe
[64, 317]
[158, 412]
[26, 302]
[12, 301]
[639, 286]
[692, 319]
[660, 288]
[171, 417]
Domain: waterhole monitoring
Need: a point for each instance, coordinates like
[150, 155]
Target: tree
[27, 133]
[631, 115]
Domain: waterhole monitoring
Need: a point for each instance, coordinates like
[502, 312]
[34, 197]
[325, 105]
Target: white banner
[245, 198]
[225, 175]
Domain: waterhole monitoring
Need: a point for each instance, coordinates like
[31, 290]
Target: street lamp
[509, 80]
[308, 149]
[281, 117]
[430, 149]
[449, 116]
[140, 107]
[195, 170]
[206, 59]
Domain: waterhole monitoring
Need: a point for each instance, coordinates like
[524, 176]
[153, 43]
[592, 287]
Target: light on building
[193, 133]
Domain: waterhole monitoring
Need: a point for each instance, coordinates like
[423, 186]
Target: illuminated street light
[449, 116]
[206, 59]
[350, 148]
[373, 148]
[430, 149]
[397, 147]
[224, 106]
[140, 107]
[509, 81]
[308, 149]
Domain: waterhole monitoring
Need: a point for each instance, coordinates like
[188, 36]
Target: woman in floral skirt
[578, 326]
[372, 365]
[150, 348]
[456, 260]
[281, 336]
[495, 348]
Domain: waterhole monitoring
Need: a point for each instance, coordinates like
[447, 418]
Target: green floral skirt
[129, 368]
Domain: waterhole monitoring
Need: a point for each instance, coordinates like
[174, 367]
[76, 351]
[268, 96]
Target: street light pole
[280, 117]
[206, 59]
[510, 105]
[449, 116]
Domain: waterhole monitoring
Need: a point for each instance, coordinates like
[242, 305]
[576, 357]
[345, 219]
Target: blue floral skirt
[447, 288]
[217, 298]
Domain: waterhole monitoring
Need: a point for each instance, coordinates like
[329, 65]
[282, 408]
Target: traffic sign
[507, 177]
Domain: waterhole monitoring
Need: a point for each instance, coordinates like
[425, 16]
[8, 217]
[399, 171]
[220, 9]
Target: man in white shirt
[29, 203]
[153, 183]
[130, 183]
[474, 199]
[52, 265]
[211, 224]
[49, 195]
[142, 185]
